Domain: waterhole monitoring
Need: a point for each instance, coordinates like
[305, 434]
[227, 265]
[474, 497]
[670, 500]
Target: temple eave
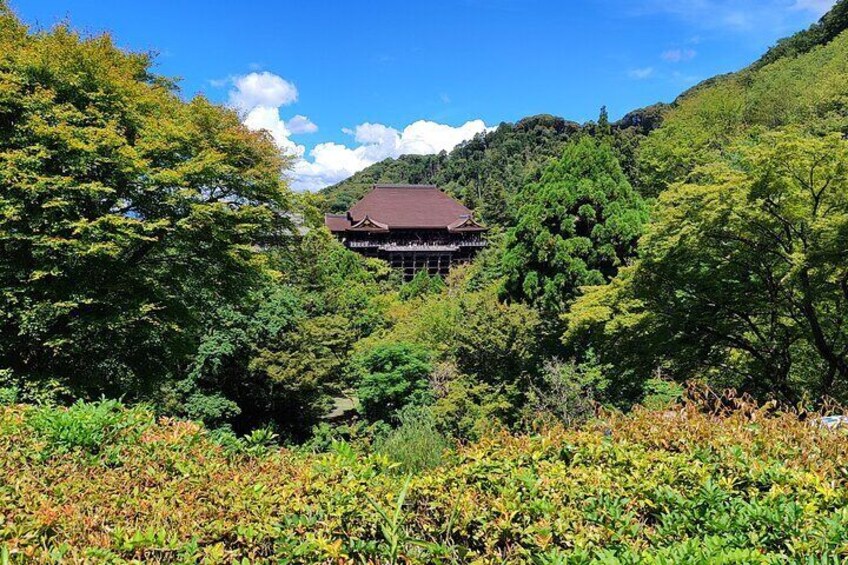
[413, 228]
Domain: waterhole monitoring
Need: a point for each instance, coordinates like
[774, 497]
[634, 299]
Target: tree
[743, 276]
[497, 343]
[831, 24]
[484, 172]
[603, 122]
[390, 377]
[801, 89]
[579, 223]
[126, 214]
[422, 284]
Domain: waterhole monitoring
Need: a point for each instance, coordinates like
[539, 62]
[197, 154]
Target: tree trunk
[836, 363]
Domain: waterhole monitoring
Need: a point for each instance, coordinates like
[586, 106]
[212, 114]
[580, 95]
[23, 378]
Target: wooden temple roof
[388, 207]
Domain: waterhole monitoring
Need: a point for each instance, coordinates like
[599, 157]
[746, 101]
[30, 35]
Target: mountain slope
[831, 25]
[487, 171]
[806, 91]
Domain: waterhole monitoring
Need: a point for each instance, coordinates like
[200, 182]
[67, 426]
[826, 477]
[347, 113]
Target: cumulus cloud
[267, 118]
[301, 124]
[678, 55]
[261, 89]
[641, 74]
[259, 98]
[329, 163]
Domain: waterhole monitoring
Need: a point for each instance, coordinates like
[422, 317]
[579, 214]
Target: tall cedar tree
[577, 225]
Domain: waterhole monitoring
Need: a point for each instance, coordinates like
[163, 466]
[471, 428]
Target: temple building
[412, 227]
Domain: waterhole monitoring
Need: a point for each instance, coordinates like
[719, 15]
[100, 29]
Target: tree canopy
[577, 225]
[150, 250]
[743, 274]
[125, 213]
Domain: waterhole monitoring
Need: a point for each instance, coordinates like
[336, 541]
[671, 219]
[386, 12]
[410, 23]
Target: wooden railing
[466, 242]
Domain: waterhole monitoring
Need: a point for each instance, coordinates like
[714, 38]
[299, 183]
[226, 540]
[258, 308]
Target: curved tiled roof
[336, 222]
[404, 207]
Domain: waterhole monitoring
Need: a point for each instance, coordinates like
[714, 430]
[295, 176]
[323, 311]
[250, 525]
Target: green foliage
[90, 427]
[392, 528]
[498, 343]
[567, 392]
[833, 23]
[9, 395]
[808, 92]
[487, 172]
[483, 172]
[150, 251]
[695, 484]
[661, 393]
[422, 284]
[578, 224]
[742, 275]
[483, 351]
[407, 169]
[467, 409]
[416, 444]
[126, 214]
[281, 355]
[259, 440]
[390, 377]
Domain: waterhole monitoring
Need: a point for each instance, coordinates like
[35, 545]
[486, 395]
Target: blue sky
[344, 84]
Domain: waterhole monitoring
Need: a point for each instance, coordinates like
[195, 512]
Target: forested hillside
[828, 28]
[741, 275]
[487, 172]
[147, 252]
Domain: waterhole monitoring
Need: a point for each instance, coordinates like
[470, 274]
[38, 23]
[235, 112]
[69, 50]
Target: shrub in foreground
[416, 444]
[88, 427]
[679, 485]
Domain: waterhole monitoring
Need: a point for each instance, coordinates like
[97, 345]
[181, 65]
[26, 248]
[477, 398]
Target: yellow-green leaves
[141, 211]
[742, 274]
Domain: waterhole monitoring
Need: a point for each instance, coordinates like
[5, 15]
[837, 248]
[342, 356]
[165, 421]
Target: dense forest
[487, 171]
[698, 240]
[149, 253]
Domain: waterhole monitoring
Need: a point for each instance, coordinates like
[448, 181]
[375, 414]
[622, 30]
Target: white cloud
[329, 163]
[301, 124]
[333, 162]
[259, 97]
[641, 74]
[261, 89]
[678, 55]
[268, 118]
